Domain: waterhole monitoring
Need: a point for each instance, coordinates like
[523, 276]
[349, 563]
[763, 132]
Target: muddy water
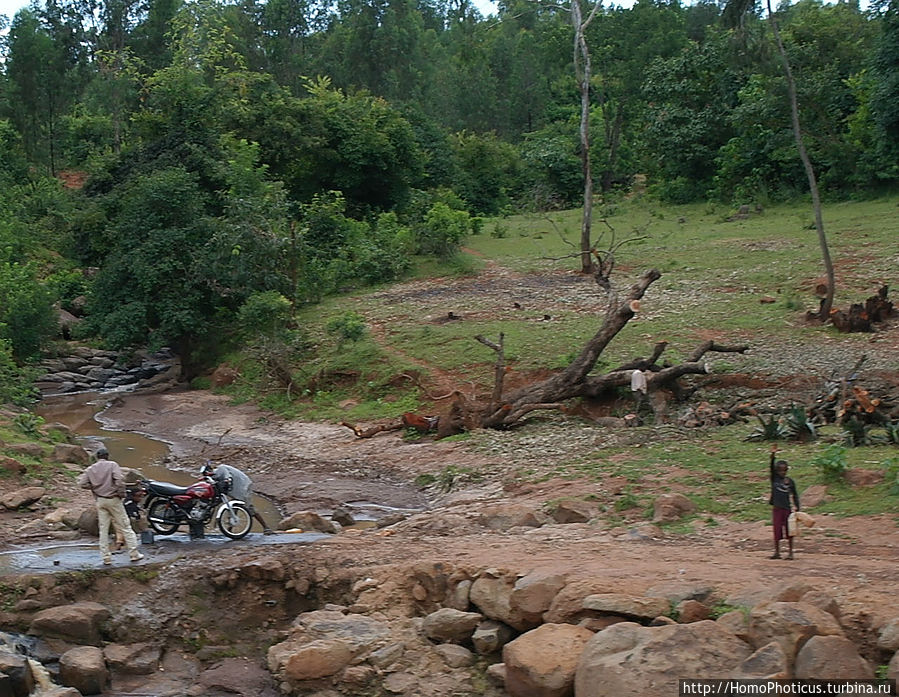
[83, 414]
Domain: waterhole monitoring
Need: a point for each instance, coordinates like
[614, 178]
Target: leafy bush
[443, 230]
[347, 327]
[29, 424]
[770, 429]
[832, 463]
[797, 425]
[27, 319]
[857, 433]
[793, 425]
[264, 313]
[15, 382]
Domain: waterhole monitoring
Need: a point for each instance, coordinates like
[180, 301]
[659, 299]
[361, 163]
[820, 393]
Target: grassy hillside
[519, 278]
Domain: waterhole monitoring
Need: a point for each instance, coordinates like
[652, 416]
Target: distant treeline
[199, 155]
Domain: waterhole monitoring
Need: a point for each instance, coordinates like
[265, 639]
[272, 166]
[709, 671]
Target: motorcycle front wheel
[162, 517]
[235, 523]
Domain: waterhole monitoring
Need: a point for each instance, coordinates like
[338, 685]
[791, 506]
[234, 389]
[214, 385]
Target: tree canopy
[168, 160]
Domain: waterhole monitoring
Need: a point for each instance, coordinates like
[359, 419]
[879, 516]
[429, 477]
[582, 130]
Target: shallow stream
[83, 414]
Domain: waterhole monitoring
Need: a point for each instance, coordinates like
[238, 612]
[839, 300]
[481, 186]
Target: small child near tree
[783, 488]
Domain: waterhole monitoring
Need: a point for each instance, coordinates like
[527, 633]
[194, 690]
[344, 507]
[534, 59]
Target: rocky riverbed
[479, 590]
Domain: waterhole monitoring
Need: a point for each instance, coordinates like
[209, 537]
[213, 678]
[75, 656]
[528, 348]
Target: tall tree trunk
[582, 73]
[827, 302]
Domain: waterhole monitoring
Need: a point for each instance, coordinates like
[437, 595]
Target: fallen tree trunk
[503, 411]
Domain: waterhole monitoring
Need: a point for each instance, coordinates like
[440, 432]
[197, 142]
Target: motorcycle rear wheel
[237, 523]
[162, 517]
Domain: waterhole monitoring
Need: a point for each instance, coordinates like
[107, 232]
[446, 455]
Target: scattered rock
[670, 507]
[814, 496]
[20, 498]
[84, 669]
[573, 511]
[692, 611]
[542, 662]
[863, 477]
[307, 520]
[15, 674]
[448, 625]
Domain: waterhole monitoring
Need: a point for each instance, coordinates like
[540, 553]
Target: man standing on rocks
[783, 488]
[105, 480]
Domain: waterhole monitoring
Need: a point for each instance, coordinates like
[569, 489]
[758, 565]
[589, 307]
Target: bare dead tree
[582, 74]
[734, 13]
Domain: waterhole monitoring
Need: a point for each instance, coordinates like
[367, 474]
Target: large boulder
[769, 662]
[88, 522]
[237, 676]
[630, 660]
[533, 594]
[78, 623]
[309, 661]
[19, 680]
[542, 662]
[519, 603]
[490, 636]
[20, 498]
[511, 515]
[573, 511]
[66, 452]
[84, 669]
[789, 624]
[568, 605]
[831, 658]
[490, 594]
[324, 642]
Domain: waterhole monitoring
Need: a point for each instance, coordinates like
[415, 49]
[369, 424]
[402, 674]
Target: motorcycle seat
[165, 488]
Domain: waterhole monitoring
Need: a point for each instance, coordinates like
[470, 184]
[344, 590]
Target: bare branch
[499, 370]
[720, 348]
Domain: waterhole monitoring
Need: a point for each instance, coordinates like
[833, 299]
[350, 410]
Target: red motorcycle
[169, 506]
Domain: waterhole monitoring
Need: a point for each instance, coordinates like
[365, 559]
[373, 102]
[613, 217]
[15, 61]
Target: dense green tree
[690, 97]
[489, 174]
[331, 141]
[37, 79]
[149, 38]
[27, 319]
[624, 43]
[380, 46]
[149, 291]
[884, 102]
